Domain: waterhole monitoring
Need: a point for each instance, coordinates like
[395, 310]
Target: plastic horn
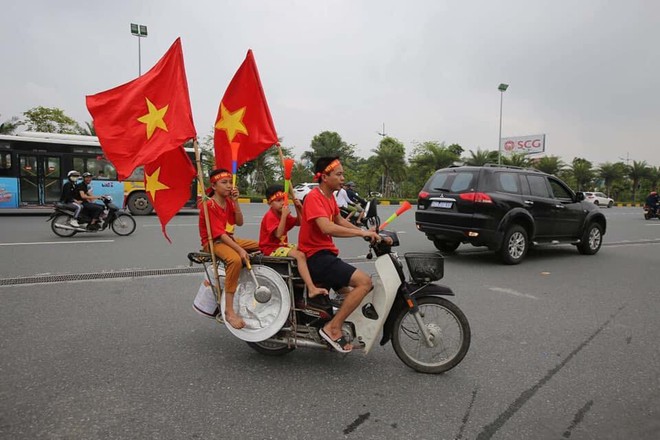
[403, 208]
[288, 167]
[234, 161]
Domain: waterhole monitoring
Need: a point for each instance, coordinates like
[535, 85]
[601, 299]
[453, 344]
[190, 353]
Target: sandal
[338, 344]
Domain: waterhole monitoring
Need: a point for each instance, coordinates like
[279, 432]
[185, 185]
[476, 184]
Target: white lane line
[512, 292]
[57, 242]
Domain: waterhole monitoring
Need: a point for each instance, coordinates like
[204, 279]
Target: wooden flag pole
[200, 179]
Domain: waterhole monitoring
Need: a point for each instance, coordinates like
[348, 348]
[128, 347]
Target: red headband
[223, 175]
[278, 195]
[331, 166]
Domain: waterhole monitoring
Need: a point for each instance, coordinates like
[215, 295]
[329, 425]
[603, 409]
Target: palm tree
[516, 160]
[390, 158]
[550, 165]
[654, 177]
[582, 173]
[88, 129]
[611, 172]
[637, 172]
[481, 157]
[8, 127]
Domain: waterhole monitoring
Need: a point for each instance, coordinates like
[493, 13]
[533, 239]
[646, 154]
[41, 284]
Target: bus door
[40, 179]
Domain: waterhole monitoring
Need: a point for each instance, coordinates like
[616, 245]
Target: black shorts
[329, 271]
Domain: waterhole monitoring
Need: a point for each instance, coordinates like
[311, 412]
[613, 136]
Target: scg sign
[523, 144]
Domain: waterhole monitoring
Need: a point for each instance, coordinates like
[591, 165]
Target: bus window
[5, 163]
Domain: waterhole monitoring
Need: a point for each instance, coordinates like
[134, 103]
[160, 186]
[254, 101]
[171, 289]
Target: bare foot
[234, 320]
[316, 291]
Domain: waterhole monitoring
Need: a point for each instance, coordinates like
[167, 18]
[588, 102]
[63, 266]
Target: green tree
[516, 160]
[390, 159]
[456, 149]
[638, 171]
[9, 126]
[610, 173]
[329, 143]
[50, 120]
[582, 172]
[430, 156]
[481, 157]
[654, 177]
[550, 164]
[88, 129]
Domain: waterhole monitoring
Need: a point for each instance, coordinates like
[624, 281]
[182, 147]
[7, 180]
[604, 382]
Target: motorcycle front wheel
[270, 348]
[62, 219]
[123, 225]
[449, 329]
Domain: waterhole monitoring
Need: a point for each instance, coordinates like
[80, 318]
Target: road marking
[511, 292]
[57, 242]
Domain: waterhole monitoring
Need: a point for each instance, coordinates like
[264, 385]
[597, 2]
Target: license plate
[440, 204]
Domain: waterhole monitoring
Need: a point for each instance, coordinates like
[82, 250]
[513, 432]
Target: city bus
[33, 168]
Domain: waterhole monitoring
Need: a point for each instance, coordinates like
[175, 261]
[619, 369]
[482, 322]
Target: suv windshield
[452, 181]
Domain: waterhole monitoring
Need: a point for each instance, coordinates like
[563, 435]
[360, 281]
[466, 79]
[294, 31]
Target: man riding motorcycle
[652, 202]
[94, 210]
[71, 198]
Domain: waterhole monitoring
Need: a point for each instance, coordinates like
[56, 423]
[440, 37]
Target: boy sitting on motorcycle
[224, 215]
[320, 222]
[273, 239]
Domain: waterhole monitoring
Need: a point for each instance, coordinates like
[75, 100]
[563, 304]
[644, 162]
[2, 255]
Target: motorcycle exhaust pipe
[306, 343]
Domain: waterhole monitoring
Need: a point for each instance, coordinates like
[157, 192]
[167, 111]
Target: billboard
[531, 144]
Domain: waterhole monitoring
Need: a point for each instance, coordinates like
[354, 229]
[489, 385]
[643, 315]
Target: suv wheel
[446, 246]
[515, 245]
[591, 240]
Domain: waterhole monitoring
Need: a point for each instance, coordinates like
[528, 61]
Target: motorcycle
[121, 222]
[429, 333]
[370, 218]
[651, 213]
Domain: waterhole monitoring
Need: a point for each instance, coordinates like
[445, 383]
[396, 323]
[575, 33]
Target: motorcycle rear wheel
[61, 219]
[123, 225]
[270, 348]
[449, 328]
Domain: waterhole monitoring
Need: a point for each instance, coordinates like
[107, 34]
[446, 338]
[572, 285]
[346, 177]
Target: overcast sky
[586, 72]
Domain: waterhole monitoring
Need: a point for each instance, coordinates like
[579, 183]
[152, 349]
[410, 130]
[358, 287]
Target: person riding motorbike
[321, 221]
[652, 202]
[70, 198]
[94, 210]
[356, 199]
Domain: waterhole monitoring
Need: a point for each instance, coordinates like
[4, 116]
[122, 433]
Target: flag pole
[279, 149]
[200, 179]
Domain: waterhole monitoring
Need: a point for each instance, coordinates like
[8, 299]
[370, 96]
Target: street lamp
[140, 31]
[502, 88]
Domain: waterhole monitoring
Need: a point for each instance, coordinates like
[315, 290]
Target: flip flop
[338, 344]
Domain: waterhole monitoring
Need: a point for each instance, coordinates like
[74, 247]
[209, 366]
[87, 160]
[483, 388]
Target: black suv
[505, 208]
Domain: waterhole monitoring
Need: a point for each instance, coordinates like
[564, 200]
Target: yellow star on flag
[231, 122]
[153, 184]
[154, 119]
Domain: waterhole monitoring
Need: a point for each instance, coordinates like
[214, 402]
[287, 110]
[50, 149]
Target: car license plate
[441, 205]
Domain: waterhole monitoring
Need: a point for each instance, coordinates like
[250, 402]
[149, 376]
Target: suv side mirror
[579, 196]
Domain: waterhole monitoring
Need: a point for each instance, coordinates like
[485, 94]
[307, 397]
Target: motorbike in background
[650, 212]
[121, 222]
[370, 218]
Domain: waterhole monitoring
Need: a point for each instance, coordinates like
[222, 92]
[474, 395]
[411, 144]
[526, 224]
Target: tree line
[387, 170]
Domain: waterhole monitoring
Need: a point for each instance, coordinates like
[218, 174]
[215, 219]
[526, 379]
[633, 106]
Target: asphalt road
[563, 346]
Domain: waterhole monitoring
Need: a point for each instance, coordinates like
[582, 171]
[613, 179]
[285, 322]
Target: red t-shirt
[222, 221]
[268, 242]
[311, 239]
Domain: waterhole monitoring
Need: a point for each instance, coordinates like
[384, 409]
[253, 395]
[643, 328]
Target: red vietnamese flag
[243, 118]
[142, 119]
[167, 181]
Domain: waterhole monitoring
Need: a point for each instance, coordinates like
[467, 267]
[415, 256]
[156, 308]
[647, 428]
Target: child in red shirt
[224, 215]
[273, 240]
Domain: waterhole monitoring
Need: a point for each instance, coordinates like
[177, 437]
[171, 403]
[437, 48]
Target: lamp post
[140, 31]
[502, 88]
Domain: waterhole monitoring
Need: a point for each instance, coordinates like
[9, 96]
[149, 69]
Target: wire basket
[425, 267]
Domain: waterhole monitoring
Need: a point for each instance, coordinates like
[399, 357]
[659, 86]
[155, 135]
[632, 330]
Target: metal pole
[499, 143]
[139, 57]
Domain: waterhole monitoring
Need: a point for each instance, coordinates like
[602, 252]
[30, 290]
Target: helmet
[73, 173]
[350, 184]
[87, 175]
[653, 193]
